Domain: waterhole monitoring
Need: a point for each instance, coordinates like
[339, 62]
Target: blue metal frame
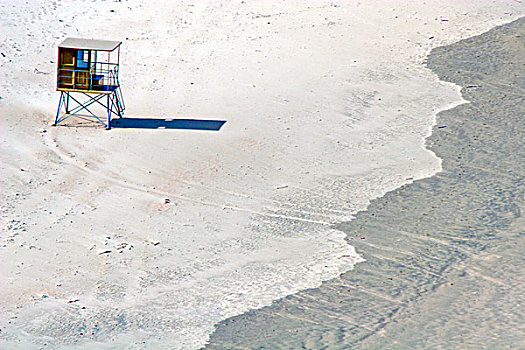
[113, 105]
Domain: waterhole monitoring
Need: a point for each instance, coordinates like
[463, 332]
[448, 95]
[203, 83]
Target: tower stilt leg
[108, 125]
[67, 102]
[59, 108]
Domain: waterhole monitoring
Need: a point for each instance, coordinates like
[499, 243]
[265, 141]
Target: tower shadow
[182, 124]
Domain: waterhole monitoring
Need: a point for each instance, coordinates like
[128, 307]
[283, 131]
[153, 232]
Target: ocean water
[440, 251]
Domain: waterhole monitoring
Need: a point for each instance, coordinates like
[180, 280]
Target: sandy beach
[148, 238]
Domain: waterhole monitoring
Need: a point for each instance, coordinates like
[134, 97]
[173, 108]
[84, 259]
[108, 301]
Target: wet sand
[444, 255]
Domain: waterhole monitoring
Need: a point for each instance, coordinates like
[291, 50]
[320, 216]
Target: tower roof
[90, 44]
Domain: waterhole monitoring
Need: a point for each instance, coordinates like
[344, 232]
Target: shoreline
[434, 248]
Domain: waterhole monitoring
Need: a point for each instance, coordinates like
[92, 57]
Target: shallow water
[443, 254]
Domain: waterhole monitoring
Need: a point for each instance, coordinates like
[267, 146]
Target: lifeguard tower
[87, 74]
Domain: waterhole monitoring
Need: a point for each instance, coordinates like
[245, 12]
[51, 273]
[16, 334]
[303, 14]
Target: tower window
[82, 58]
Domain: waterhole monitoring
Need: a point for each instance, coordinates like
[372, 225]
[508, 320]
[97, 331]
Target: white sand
[326, 104]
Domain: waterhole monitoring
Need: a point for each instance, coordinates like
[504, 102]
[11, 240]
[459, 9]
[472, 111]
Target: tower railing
[120, 99]
[100, 77]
